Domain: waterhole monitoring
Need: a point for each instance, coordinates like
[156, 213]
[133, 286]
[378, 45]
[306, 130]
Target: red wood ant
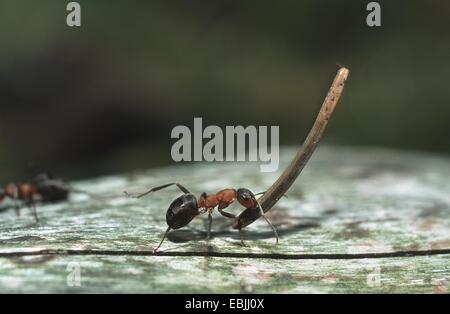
[42, 189]
[186, 207]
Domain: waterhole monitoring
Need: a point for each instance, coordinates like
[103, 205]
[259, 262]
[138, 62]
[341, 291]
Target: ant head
[246, 198]
[182, 211]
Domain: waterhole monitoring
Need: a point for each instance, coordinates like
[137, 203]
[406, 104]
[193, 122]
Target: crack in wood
[279, 256]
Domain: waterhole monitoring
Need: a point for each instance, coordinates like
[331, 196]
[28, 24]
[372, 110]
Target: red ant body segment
[221, 199]
[186, 207]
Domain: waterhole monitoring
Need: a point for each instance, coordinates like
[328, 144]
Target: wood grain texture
[157, 274]
[346, 221]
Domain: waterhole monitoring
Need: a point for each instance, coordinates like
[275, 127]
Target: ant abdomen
[181, 211]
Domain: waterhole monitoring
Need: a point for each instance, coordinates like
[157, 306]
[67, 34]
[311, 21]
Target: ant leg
[182, 188]
[164, 236]
[224, 213]
[17, 209]
[209, 225]
[242, 237]
[229, 215]
[273, 228]
[15, 200]
[34, 211]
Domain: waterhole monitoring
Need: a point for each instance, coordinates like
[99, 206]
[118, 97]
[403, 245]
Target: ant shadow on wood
[222, 230]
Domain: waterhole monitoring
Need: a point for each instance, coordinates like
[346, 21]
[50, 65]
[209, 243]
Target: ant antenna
[262, 193]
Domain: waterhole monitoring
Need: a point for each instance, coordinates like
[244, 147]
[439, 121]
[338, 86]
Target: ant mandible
[186, 207]
[43, 189]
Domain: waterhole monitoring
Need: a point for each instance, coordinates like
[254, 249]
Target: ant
[186, 207]
[42, 189]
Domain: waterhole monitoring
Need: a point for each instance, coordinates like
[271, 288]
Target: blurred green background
[103, 98]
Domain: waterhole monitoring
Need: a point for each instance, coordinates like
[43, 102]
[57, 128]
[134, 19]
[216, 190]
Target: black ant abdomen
[181, 211]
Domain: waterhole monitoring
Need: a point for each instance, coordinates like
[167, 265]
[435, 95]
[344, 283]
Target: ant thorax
[222, 199]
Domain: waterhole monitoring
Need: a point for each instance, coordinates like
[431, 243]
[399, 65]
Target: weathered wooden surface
[224, 275]
[361, 220]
